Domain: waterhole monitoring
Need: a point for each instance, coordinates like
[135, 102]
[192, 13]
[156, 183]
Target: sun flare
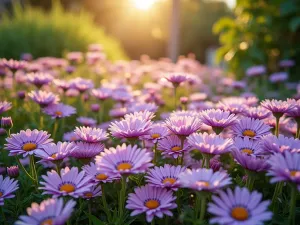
[143, 4]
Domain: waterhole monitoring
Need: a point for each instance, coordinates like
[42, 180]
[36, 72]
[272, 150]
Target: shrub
[52, 33]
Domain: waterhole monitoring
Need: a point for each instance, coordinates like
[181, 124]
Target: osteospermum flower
[124, 160]
[257, 113]
[165, 176]
[157, 132]
[70, 136]
[278, 77]
[43, 98]
[14, 65]
[140, 107]
[69, 182]
[272, 144]
[87, 150]
[278, 107]
[39, 79]
[49, 212]
[183, 126]
[91, 135]
[249, 127]
[5, 106]
[256, 71]
[81, 84]
[285, 167]
[239, 207]
[132, 127]
[217, 119]
[27, 142]
[234, 105]
[247, 145]
[250, 162]
[210, 143]
[93, 192]
[141, 115]
[59, 110]
[203, 179]
[96, 176]
[151, 200]
[176, 78]
[172, 146]
[56, 152]
[86, 121]
[7, 187]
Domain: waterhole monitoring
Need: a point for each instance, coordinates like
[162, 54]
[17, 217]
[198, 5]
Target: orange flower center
[202, 183]
[73, 138]
[247, 151]
[124, 166]
[67, 188]
[176, 148]
[1, 194]
[58, 113]
[53, 156]
[239, 213]
[88, 194]
[155, 136]
[249, 133]
[101, 176]
[152, 204]
[169, 180]
[293, 173]
[29, 146]
[47, 222]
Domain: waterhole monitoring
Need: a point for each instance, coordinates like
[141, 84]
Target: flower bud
[13, 171]
[6, 123]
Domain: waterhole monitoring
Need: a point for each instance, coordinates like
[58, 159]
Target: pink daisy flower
[171, 146]
[87, 151]
[44, 98]
[183, 126]
[91, 135]
[96, 176]
[59, 110]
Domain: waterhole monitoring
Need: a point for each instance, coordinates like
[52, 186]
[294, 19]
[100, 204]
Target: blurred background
[235, 34]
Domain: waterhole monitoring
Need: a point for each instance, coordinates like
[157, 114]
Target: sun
[143, 4]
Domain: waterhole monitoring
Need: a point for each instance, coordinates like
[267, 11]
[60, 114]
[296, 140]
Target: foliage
[262, 32]
[52, 33]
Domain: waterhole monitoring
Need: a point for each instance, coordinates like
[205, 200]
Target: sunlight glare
[143, 4]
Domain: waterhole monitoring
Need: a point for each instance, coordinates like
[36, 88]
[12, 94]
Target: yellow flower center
[247, 151]
[73, 138]
[249, 133]
[88, 194]
[47, 222]
[53, 156]
[176, 148]
[67, 188]
[58, 113]
[202, 183]
[239, 213]
[170, 180]
[152, 204]
[29, 146]
[293, 173]
[124, 166]
[155, 136]
[1, 194]
[101, 176]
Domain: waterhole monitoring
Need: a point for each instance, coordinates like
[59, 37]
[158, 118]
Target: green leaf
[288, 7]
[95, 220]
[294, 24]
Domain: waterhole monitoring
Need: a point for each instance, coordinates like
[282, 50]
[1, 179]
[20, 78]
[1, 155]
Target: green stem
[41, 119]
[90, 212]
[250, 181]
[178, 202]
[55, 129]
[122, 197]
[23, 168]
[33, 170]
[277, 126]
[203, 207]
[275, 195]
[155, 154]
[175, 98]
[298, 129]
[106, 209]
[153, 222]
[197, 205]
[3, 215]
[293, 205]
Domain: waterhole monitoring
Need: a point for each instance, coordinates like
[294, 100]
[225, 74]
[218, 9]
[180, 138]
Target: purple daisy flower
[118, 112]
[71, 136]
[234, 105]
[59, 110]
[93, 192]
[13, 171]
[250, 162]
[55, 152]
[96, 176]
[39, 79]
[257, 113]
[87, 150]
[140, 107]
[240, 207]
[272, 144]
[49, 212]
[124, 160]
[285, 167]
[256, 71]
[176, 78]
[183, 126]
[132, 127]
[91, 135]
[278, 77]
[295, 112]
[165, 176]
[217, 119]
[248, 145]
[278, 107]
[86, 121]
[210, 143]
[27, 142]
[81, 84]
[151, 200]
[75, 57]
[249, 127]
[141, 115]
[64, 85]
[7, 187]
[69, 183]
[157, 132]
[204, 179]
[287, 63]
[102, 93]
[43, 98]
[5, 106]
[172, 146]
[14, 65]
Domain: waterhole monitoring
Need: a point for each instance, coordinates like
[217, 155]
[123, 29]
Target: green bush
[52, 33]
